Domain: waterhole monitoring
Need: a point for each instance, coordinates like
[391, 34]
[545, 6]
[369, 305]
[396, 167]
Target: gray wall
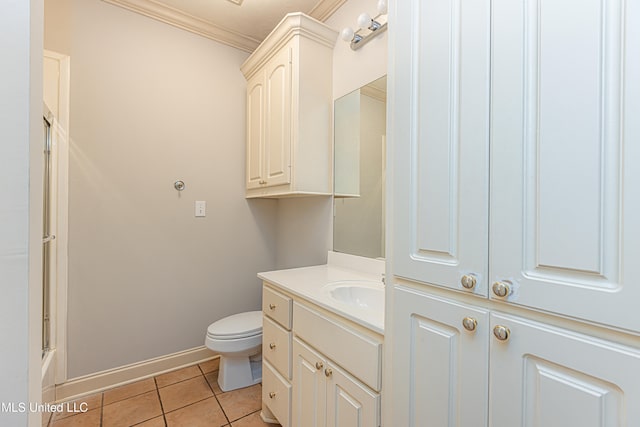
[151, 104]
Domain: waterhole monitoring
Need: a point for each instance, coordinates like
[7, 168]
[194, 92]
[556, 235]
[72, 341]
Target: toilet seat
[242, 325]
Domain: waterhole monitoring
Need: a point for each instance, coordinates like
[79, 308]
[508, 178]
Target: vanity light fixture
[369, 27]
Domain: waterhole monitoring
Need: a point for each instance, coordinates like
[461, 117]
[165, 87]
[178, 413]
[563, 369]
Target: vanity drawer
[276, 393]
[277, 306]
[276, 346]
[359, 354]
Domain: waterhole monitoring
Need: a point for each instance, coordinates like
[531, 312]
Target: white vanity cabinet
[514, 143]
[289, 104]
[319, 369]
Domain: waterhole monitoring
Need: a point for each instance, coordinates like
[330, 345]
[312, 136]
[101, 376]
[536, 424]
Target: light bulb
[382, 7]
[347, 34]
[364, 20]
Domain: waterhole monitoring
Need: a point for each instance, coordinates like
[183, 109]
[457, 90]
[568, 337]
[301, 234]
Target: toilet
[238, 340]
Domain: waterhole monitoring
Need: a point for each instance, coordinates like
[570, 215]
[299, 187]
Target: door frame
[60, 207]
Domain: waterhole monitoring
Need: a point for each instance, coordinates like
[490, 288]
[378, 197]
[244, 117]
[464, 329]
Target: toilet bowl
[238, 340]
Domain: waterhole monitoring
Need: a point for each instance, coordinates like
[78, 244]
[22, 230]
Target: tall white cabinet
[515, 234]
[289, 105]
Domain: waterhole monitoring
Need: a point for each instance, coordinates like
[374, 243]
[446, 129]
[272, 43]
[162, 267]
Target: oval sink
[368, 295]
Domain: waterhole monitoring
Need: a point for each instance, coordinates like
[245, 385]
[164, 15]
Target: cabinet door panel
[564, 197]
[278, 123]
[439, 368]
[309, 387]
[255, 131]
[349, 403]
[550, 377]
[440, 133]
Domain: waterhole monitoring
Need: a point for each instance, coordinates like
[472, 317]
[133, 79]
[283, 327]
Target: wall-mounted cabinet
[514, 181]
[289, 104]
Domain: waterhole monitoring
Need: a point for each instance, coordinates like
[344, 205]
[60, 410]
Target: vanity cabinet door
[552, 377]
[440, 152]
[349, 402]
[309, 386]
[440, 362]
[565, 205]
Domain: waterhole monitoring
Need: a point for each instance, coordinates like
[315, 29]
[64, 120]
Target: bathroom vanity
[322, 343]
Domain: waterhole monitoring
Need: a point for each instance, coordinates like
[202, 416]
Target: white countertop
[310, 283]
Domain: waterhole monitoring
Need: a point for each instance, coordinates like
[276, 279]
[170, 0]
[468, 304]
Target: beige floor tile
[129, 390]
[206, 413]
[212, 379]
[46, 417]
[132, 411]
[177, 376]
[238, 403]
[210, 365]
[252, 420]
[184, 393]
[87, 419]
[93, 401]
[154, 422]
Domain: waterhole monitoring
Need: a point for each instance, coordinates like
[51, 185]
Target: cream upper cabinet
[440, 128]
[565, 186]
[289, 104]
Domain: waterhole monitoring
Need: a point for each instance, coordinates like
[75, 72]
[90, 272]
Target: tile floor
[188, 397]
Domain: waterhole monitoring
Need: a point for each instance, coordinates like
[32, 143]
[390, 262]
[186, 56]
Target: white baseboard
[100, 381]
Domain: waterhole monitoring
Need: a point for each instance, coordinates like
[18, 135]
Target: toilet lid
[239, 325]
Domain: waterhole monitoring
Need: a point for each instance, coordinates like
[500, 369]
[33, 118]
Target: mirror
[359, 171]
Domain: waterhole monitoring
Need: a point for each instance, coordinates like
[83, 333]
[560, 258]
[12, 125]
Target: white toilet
[238, 340]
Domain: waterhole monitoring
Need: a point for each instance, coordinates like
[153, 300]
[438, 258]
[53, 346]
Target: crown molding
[325, 8]
[179, 19]
[293, 24]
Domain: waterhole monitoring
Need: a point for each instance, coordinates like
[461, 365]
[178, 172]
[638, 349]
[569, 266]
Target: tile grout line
[164, 417]
[101, 408]
[214, 395]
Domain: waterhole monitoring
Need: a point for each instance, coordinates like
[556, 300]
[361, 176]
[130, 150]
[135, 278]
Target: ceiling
[239, 23]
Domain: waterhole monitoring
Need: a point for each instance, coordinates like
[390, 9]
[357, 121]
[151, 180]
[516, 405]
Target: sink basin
[363, 294]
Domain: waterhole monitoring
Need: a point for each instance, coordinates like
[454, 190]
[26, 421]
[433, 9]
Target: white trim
[325, 8]
[100, 381]
[169, 15]
[60, 152]
[180, 19]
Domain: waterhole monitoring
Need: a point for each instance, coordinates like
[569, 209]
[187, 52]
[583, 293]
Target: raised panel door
[439, 364]
[440, 141]
[277, 161]
[350, 403]
[543, 376]
[309, 387]
[255, 131]
[565, 203]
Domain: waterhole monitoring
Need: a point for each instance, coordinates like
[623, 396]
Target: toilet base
[240, 371]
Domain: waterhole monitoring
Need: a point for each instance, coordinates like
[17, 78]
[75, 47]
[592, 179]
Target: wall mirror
[359, 171]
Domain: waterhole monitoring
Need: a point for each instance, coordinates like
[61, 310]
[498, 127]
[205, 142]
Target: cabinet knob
[328, 372]
[262, 181]
[272, 307]
[272, 394]
[468, 281]
[319, 365]
[272, 346]
[501, 332]
[501, 289]
[470, 324]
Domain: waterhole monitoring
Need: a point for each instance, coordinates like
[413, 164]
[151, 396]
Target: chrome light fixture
[369, 27]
